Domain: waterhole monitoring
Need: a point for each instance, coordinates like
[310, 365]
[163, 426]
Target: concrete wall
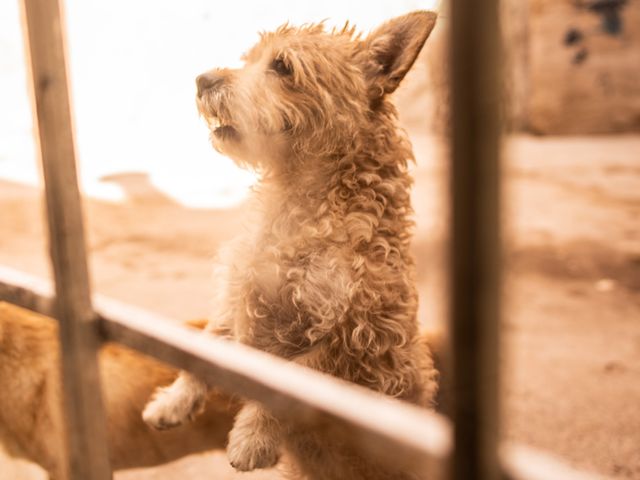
[590, 84]
[565, 73]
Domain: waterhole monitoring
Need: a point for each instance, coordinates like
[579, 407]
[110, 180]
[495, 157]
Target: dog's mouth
[217, 118]
[222, 130]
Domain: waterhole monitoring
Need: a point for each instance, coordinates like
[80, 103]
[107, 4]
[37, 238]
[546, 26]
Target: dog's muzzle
[208, 81]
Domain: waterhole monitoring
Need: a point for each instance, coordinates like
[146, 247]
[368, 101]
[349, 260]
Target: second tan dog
[30, 400]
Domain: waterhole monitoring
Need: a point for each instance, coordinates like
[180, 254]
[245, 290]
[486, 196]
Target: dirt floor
[571, 336]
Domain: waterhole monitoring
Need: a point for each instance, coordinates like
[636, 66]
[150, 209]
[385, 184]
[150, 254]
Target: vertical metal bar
[475, 239]
[86, 441]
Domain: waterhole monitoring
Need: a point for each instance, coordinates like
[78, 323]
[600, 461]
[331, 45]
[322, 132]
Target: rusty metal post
[475, 238]
[86, 441]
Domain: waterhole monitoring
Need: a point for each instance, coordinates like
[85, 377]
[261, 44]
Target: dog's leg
[173, 405]
[254, 440]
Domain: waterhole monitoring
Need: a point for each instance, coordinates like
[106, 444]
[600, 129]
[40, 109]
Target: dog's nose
[208, 81]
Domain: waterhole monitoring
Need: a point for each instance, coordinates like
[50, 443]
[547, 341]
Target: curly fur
[324, 276]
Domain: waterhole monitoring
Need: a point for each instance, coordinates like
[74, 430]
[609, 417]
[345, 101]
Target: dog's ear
[392, 48]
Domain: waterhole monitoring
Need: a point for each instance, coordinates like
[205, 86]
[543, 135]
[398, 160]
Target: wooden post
[86, 440]
[475, 240]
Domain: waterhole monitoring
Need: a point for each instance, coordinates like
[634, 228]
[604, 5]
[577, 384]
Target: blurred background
[159, 200]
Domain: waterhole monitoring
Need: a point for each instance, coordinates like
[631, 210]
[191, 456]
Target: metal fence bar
[524, 463]
[403, 432]
[395, 433]
[475, 253]
[26, 291]
[86, 441]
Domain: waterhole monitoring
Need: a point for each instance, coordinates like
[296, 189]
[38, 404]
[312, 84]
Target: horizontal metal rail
[394, 432]
[525, 463]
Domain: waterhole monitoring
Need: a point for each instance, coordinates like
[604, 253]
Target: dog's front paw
[173, 405]
[254, 440]
[248, 451]
[162, 413]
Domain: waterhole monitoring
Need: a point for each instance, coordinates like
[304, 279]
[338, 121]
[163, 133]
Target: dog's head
[304, 92]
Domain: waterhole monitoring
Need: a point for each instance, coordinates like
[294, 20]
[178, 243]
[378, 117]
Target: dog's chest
[272, 256]
[265, 285]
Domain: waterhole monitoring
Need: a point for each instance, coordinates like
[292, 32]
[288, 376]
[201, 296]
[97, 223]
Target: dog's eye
[280, 67]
